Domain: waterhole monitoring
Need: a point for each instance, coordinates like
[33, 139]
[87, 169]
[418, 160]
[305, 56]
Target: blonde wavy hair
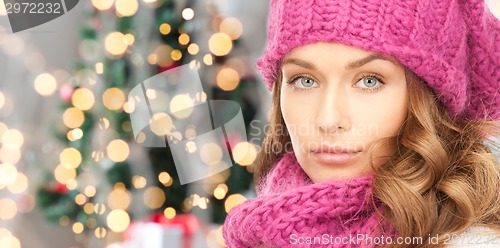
[443, 179]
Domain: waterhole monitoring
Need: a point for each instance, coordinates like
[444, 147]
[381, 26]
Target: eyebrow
[350, 66]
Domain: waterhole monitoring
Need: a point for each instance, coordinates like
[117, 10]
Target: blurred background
[72, 174]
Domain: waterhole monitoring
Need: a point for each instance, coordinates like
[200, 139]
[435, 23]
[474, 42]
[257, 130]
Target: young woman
[390, 112]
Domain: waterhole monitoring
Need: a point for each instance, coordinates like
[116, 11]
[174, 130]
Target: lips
[335, 155]
[334, 149]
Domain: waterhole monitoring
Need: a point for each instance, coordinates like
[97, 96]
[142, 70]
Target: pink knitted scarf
[291, 211]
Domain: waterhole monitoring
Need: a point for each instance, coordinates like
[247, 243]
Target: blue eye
[302, 82]
[370, 82]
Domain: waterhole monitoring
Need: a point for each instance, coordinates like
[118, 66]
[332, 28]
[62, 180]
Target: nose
[332, 113]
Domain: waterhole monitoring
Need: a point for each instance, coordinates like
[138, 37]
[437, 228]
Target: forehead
[320, 54]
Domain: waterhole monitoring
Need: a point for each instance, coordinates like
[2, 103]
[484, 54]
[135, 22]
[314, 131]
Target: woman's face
[336, 101]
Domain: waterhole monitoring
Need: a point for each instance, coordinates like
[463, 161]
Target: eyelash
[291, 80]
[374, 89]
[371, 90]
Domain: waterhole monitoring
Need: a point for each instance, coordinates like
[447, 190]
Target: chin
[318, 175]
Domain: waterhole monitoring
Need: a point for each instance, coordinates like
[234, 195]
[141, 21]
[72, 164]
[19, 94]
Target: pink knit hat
[454, 45]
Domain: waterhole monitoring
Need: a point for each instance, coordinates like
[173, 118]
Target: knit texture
[290, 206]
[454, 45]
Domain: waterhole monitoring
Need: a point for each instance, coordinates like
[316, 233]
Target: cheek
[296, 115]
[384, 117]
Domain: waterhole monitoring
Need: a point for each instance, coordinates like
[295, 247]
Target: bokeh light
[220, 177]
[244, 153]
[201, 96]
[184, 39]
[220, 191]
[70, 157]
[126, 7]
[63, 174]
[228, 79]
[118, 220]
[203, 203]
[153, 59]
[154, 197]
[164, 177]
[194, 199]
[4, 233]
[128, 107]
[151, 93]
[141, 137]
[118, 150]
[77, 227]
[9, 155]
[8, 209]
[19, 185]
[80, 199]
[10, 242]
[102, 4]
[194, 64]
[13, 139]
[45, 84]
[73, 117]
[71, 184]
[113, 98]
[220, 44]
[99, 208]
[211, 154]
[104, 123]
[119, 198]
[165, 28]
[233, 201]
[176, 136]
[193, 49]
[115, 43]
[232, 27]
[190, 130]
[176, 55]
[187, 14]
[90, 191]
[88, 208]
[162, 56]
[100, 232]
[169, 212]
[83, 99]
[191, 146]
[75, 134]
[161, 124]
[181, 106]
[8, 173]
[130, 39]
[99, 68]
[207, 59]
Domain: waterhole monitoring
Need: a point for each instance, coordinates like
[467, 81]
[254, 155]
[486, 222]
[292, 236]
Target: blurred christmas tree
[96, 186]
